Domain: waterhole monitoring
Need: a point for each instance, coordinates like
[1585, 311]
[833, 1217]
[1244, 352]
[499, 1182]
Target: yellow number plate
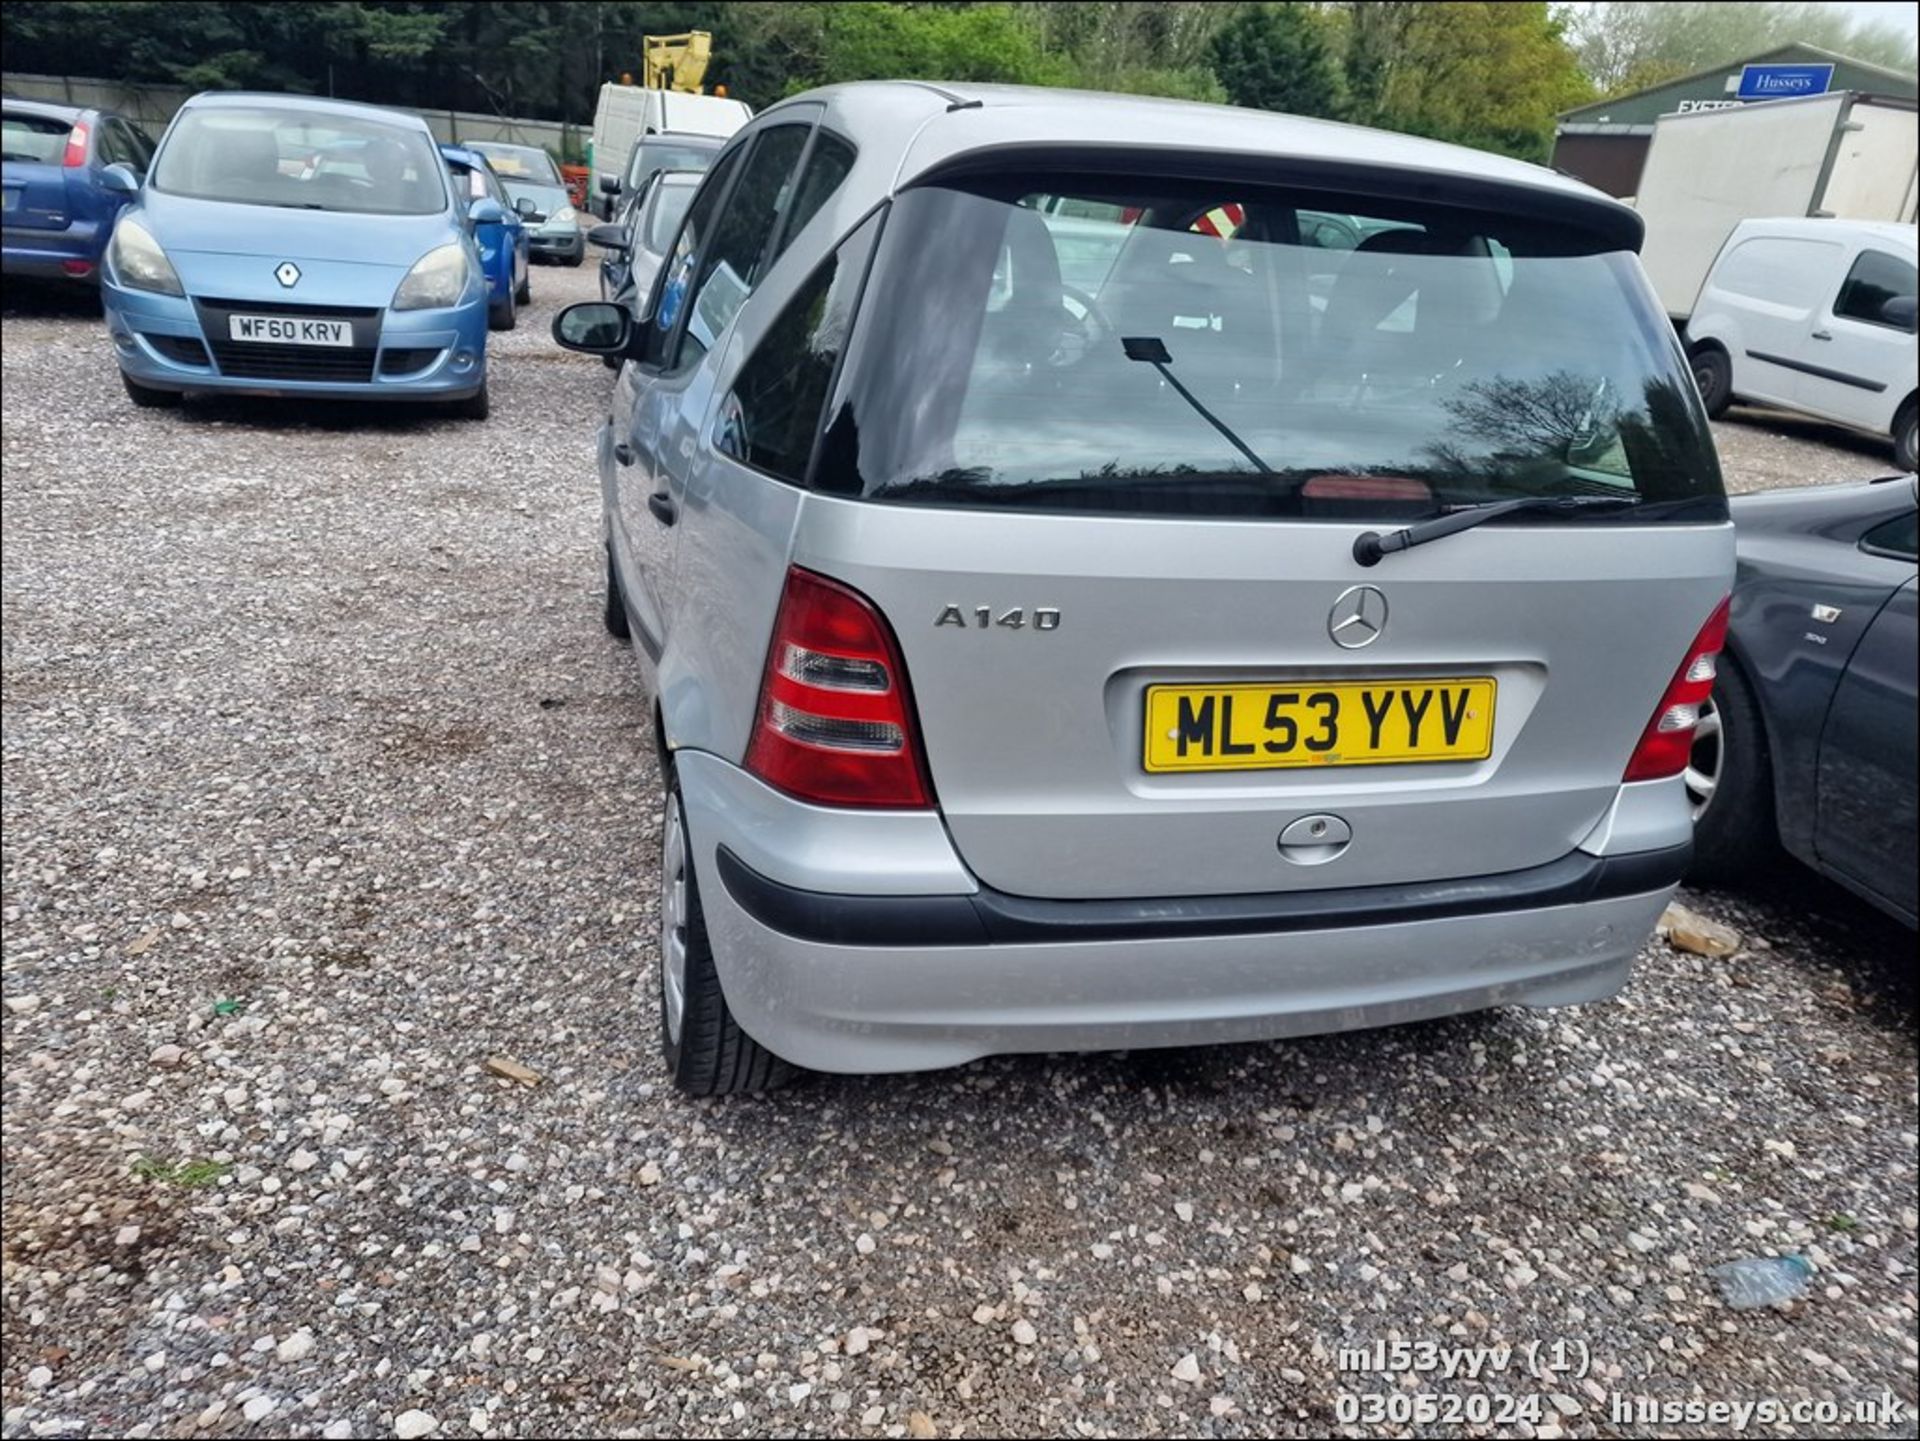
[1317, 723]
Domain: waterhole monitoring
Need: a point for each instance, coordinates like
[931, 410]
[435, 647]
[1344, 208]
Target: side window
[733, 263]
[143, 146]
[688, 250]
[113, 147]
[1875, 279]
[827, 166]
[770, 417]
[1899, 537]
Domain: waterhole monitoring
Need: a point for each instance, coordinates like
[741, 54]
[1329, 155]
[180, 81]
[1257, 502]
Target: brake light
[1667, 743]
[836, 721]
[76, 146]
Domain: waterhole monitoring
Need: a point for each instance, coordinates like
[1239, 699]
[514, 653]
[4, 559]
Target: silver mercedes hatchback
[1114, 572]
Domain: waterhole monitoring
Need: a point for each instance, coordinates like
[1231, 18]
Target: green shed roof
[1643, 107]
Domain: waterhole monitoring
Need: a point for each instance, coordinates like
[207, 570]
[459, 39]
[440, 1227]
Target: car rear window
[301, 160]
[1218, 349]
[37, 139]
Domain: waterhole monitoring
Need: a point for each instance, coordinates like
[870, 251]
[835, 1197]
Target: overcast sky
[1903, 16]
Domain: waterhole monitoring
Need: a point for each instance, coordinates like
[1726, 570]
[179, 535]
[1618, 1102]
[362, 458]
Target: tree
[1278, 57]
[1484, 74]
[1621, 44]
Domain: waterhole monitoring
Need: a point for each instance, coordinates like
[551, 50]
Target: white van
[1815, 316]
[626, 112]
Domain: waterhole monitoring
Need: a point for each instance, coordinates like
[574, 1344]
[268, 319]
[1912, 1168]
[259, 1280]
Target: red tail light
[836, 722]
[1667, 742]
[76, 146]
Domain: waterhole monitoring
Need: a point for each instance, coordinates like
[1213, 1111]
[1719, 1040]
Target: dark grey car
[1811, 734]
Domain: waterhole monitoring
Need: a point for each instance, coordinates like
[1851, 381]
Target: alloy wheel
[673, 921]
[1707, 760]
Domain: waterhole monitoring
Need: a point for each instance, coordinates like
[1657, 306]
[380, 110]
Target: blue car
[59, 206]
[503, 244]
[290, 246]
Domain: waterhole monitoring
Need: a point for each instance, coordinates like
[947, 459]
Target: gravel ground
[322, 787]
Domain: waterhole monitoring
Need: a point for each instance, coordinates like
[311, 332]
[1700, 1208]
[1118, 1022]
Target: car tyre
[1730, 785]
[706, 1051]
[503, 316]
[1905, 439]
[473, 407]
[524, 295]
[148, 397]
[1713, 374]
[616, 603]
[576, 261]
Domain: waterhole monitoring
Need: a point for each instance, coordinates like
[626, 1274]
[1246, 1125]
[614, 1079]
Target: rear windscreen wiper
[1370, 546]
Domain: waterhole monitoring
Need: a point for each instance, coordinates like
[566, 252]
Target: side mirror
[609, 185]
[608, 237]
[120, 179]
[1900, 311]
[526, 209]
[593, 327]
[486, 211]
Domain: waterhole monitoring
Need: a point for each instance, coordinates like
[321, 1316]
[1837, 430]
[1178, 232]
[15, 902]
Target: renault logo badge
[288, 274]
[1358, 617]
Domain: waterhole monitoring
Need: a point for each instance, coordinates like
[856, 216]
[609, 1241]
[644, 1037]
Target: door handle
[1823, 335]
[623, 453]
[661, 504]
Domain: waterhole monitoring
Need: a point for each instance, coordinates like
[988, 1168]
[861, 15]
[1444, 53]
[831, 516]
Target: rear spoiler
[1603, 222]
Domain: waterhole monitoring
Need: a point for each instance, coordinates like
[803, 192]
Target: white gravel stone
[411, 1425]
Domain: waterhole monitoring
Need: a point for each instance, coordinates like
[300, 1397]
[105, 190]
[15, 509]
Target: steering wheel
[1091, 326]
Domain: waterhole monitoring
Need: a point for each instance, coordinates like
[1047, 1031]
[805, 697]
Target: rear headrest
[1034, 266]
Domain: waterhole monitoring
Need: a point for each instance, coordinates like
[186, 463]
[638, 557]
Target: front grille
[282, 307]
[293, 362]
[181, 349]
[403, 360]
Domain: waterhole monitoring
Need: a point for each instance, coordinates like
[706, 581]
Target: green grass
[180, 1173]
[1841, 1221]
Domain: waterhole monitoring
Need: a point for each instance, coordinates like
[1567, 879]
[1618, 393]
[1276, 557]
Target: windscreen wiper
[1153, 350]
[1369, 546]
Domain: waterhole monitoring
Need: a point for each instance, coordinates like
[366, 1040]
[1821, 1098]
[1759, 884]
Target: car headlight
[138, 261]
[565, 215]
[438, 279]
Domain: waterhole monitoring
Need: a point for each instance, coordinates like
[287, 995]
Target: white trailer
[1841, 155]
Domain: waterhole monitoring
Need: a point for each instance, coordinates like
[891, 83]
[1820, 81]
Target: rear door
[1112, 526]
[33, 180]
[1867, 820]
[664, 398]
[1859, 362]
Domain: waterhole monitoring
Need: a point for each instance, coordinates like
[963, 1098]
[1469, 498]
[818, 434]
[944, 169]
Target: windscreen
[519, 162]
[650, 156]
[37, 139]
[1237, 350]
[301, 160]
[669, 209]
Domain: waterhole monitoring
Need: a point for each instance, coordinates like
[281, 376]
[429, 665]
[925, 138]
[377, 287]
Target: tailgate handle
[1823, 335]
[661, 504]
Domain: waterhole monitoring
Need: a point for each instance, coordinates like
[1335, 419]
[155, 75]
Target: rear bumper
[905, 981]
[48, 253]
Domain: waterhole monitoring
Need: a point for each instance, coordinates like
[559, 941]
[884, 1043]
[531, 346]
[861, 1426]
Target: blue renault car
[290, 246]
[504, 253]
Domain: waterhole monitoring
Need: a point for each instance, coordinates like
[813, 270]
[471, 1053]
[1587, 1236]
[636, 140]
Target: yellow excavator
[678, 62]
